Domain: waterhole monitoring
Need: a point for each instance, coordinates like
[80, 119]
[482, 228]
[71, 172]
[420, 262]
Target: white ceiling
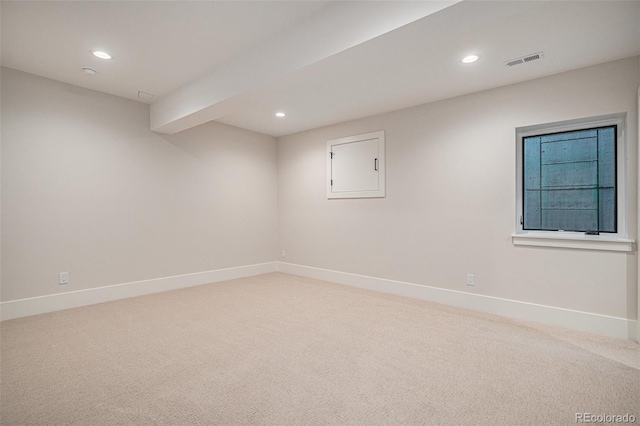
[239, 62]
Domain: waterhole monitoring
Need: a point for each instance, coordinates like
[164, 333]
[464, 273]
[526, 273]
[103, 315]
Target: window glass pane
[607, 178]
[570, 220]
[607, 214]
[532, 163]
[569, 181]
[567, 175]
[532, 219]
[532, 183]
[569, 151]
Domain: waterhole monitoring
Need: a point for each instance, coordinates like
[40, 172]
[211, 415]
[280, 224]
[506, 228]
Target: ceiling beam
[336, 28]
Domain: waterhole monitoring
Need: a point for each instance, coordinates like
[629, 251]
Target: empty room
[319, 212]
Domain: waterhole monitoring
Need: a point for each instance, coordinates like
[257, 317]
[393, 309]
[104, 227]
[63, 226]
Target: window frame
[617, 241]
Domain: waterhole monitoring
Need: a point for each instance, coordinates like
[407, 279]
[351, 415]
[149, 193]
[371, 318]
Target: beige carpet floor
[284, 350]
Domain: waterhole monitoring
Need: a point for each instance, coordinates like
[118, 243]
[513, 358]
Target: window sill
[573, 241]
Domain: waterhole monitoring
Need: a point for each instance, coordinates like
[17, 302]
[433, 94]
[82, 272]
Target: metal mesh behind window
[570, 181]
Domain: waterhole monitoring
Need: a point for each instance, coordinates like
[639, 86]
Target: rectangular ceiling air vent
[145, 97]
[524, 59]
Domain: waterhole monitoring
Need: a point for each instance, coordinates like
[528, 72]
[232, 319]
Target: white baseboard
[73, 299]
[582, 321]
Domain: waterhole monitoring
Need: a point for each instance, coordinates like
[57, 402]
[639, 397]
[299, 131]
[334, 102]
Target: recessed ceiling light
[280, 114]
[89, 71]
[469, 59]
[100, 54]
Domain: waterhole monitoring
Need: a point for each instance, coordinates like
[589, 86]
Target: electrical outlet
[471, 279]
[284, 253]
[64, 278]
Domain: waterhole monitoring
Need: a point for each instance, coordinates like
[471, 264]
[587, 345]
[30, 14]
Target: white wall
[88, 189]
[450, 201]
[638, 257]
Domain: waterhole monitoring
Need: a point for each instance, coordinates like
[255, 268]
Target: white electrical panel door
[355, 166]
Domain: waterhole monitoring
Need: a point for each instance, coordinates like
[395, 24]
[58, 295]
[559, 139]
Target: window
[571, 184]
[570, 181]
